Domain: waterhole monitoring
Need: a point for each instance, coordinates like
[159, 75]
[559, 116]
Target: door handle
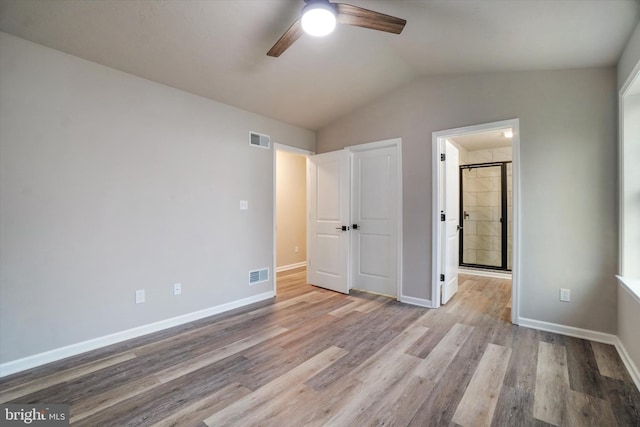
[342, 228]
[355, 226]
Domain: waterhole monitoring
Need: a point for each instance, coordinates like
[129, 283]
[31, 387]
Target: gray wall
[111, 183]
[568, 178]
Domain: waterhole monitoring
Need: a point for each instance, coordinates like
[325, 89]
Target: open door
[451, 224]
[328, 242]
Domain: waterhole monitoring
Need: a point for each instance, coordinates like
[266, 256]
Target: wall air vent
[258, 276]
[259, 140]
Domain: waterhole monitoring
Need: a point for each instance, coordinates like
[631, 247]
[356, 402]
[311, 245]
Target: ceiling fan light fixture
[318, 19]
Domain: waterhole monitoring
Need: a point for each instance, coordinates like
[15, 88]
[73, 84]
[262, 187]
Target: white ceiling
[217, 48]
[483, 140]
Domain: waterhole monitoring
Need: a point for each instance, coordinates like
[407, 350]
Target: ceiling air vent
[259, 140]
[258, 276]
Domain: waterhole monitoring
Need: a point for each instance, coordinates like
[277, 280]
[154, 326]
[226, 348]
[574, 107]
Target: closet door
[375, 223]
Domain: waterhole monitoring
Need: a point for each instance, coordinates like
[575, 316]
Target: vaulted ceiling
[217, 48]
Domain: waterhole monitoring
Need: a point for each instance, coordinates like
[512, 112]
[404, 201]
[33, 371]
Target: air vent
[259, 140]
[258, 276]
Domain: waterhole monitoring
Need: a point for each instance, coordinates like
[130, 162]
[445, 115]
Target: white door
[328, 243]
[374, 221]
[451, 205]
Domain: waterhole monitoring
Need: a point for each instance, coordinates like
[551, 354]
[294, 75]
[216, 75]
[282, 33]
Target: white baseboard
[494, 274]
[628, 363]
[420, 302]
[29, 362]
[291, 266]
[570, 331]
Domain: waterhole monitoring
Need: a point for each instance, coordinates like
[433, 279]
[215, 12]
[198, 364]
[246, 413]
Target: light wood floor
[314, 357]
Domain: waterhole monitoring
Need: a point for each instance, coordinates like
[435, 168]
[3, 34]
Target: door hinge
[443, 157]
[443, 217]
[442, 277]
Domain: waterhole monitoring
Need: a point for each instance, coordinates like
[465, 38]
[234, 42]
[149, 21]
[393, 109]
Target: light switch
[244, 205]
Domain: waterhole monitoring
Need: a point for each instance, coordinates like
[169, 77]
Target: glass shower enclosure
[486, 215]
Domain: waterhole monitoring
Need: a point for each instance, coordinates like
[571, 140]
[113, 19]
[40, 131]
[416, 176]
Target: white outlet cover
[177, 288]
[244, 205]
[565, 295]
[140, 297]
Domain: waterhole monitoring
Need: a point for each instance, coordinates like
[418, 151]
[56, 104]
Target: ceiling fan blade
[291, 35]
[354, 15]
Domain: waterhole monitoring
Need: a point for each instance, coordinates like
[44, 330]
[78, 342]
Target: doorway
[290, 210]
[490, 209]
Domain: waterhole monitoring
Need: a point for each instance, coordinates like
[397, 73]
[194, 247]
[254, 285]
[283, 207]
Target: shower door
[484, 214]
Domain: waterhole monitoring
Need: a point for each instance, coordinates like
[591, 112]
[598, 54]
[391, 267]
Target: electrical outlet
[565, 295]
[177, 288]
[244, 205]
[296, 249]
[140, 297]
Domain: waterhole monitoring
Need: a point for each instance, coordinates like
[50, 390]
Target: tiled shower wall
[482, 229]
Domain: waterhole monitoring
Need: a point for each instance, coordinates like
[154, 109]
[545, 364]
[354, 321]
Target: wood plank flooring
[315, 357]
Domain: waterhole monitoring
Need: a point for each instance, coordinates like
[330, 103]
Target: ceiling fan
[319, 18]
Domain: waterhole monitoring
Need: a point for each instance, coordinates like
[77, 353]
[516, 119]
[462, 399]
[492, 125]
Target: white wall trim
[29, 362]
[483, 273]
[570, 331]
[291, 266]
[633, 370]
[393, 142]
[290, 149]
[420, 302]
[631, 286]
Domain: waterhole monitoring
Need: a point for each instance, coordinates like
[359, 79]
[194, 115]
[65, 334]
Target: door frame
[436, 253]
[397, 144]
[281, 147]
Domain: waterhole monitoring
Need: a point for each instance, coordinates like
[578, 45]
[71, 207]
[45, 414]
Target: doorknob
[342, 228]
[355, 226]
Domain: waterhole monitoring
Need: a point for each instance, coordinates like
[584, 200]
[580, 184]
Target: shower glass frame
[504, 217]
